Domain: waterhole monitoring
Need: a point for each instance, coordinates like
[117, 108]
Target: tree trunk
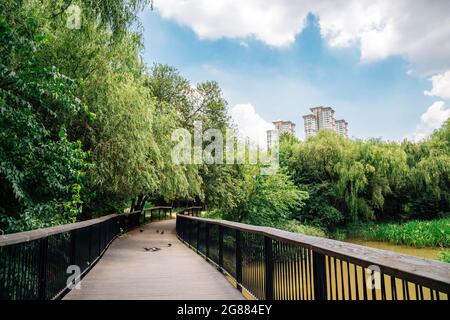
[143, 200]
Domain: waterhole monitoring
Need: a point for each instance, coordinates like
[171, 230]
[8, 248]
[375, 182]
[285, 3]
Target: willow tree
[428, 189]
[72, 96]
[41, 168]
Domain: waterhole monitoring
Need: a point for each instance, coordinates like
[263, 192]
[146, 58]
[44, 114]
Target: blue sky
[378, 98]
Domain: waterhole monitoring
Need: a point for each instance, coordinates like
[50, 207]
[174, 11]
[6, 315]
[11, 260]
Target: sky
[384, 66]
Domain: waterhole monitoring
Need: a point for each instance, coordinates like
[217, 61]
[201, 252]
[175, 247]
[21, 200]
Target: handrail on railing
[273, 264]
[191, 211]
[34, 264]
[166, 211]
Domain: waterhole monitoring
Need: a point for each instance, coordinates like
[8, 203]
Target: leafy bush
[41, 169]
[444, 256]
[295, 226]
[317, 210]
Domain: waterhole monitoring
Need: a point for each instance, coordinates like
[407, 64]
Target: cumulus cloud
[250, 124]
[431, 120]
[272, 23]
[441, 86]
[417, 30]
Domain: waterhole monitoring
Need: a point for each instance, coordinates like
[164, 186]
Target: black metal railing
[156, 214]
[33, 264]
[191, 211]
[273, 264]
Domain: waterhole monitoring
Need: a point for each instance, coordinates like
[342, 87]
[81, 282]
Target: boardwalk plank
[127, 271]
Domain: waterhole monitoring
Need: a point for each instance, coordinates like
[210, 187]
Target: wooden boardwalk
[128, 271]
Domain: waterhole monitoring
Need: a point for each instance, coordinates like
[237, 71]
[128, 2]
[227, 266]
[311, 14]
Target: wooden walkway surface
[128, 271]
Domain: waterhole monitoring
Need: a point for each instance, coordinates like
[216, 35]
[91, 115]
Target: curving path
[128, 271]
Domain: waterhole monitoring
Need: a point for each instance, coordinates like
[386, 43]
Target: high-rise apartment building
[284, 126]
[281, 126]
[310, 125]
[341, 127]
[323, 118]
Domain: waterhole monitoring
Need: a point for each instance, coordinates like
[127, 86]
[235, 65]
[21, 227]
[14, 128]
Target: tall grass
[433, 233]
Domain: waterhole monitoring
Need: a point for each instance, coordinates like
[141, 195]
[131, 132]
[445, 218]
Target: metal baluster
[238, 260]
[221, 248]
[320, 276]
[42, 271]
[268, 260]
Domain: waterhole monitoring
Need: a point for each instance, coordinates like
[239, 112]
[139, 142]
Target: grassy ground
[445, 255]
[433, 233]
[295, 226]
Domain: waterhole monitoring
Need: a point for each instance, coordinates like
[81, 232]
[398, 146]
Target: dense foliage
[85, 126]
[41, 170]
[85, 130]
[354, 180]
[417, 233]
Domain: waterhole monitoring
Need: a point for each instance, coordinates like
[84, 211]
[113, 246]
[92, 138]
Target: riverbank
[425, 239]
[424, 252]
[433, 235]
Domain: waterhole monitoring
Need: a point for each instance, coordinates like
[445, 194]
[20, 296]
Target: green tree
[41, 170]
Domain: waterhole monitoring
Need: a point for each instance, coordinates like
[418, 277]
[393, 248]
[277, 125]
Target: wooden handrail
[154, 208]
[27, 236]
[429, 272]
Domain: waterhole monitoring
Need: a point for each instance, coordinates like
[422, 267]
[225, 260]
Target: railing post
[73, 248]
[319, 276]
[183, 228]
[207, 239]
[197, 244]
[99, 239]
[90, 244]
[220, 247]
[238, 260]
[189, 231]
[268, 257]
[42, 271]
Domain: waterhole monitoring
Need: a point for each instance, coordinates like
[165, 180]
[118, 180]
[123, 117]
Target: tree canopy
[349, 180]
[86, 130]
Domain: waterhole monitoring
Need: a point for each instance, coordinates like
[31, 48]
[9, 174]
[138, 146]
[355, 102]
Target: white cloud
[250, 124]
[441, 86]
[416, 30]
[243, 44]
[272, 23]
[431, 120]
